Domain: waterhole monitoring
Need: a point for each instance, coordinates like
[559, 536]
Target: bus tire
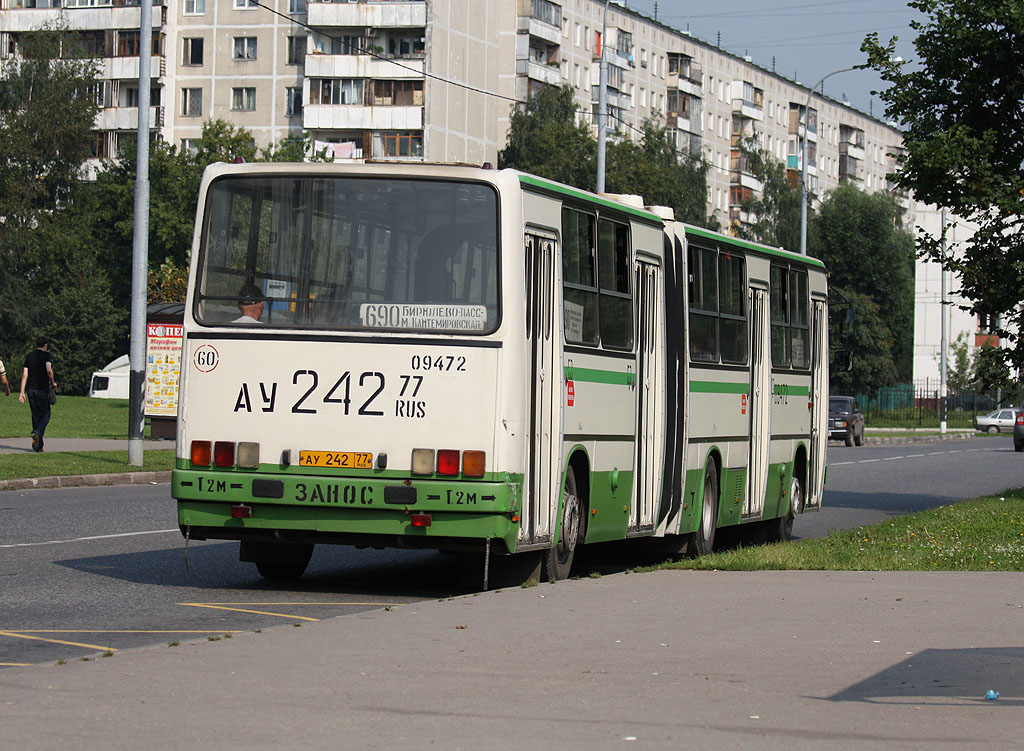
[781, 529]
[557, 561]
[285, 562]
[704, 537]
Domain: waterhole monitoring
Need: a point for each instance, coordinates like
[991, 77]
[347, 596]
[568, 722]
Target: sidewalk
[670, 659]
[71, 445]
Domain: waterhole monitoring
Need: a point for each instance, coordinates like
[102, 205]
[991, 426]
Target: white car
[994, 422]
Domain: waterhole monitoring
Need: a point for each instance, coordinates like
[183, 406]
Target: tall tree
[546, 138]
[51, 281]
[653, 168]
[856, 235]
[775, 210]
[871, 342]
[960, 108]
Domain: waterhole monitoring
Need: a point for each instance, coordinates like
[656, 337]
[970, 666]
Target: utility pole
[140, 246]
[602, 104]
[943, 337]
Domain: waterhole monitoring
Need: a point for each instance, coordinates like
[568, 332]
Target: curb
[78, 481]
[896, 440]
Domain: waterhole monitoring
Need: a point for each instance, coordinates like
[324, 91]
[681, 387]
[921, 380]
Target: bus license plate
[339, 459]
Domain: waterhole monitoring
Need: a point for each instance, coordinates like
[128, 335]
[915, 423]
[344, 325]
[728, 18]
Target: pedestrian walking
[37, 381]
[3, 379]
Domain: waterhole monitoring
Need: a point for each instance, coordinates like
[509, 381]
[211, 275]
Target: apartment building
[434, 80]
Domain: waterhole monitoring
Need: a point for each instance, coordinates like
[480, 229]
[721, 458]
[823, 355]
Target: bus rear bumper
[369, 511]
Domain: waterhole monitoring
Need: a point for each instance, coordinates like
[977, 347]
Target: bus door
[819, 403]
[544, 477]
[647, 468]
[760, 403]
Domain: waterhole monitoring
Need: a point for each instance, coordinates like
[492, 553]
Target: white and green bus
[456, 358]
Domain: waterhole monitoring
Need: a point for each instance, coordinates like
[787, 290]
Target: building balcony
[745, 179]
[363, 66]
[539, 29]
[120, 68]
[384, 14]
[550, 74]
[794, 162]
[689, 87]
[356, 117]
[852, 149]
[127, 118]
[103, 17]
[747, 110]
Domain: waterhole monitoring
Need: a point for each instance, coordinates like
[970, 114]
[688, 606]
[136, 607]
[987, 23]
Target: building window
[188, 145]
[246, 5]
[398, 93]
[193, 51]
[192, 102]
[94, 43]
[293, 101]
[336, 91]
[195, 7]
[400, 143]
[296, 6]
[296, 50]
[243, 98]
[245, 48]
[128, 44]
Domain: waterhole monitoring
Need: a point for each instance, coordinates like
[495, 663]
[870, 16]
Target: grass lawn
[50, 464]
[984, 534]
[71, 417]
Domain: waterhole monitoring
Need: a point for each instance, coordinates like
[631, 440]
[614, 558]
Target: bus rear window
[349, 253]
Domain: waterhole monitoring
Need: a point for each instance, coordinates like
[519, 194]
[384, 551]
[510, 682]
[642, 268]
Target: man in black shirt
[36, 381]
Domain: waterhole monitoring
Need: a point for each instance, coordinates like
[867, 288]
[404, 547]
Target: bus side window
[579, 282]
[703, 313]
[779, 305]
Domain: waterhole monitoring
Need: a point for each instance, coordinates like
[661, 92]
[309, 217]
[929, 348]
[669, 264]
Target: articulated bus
[468, 359]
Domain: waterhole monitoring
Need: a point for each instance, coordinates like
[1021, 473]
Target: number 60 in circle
[205, 358]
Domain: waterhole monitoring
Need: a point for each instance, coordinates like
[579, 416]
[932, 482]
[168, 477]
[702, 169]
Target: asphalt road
[88, 569]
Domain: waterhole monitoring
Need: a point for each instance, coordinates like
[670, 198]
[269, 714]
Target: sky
[808, 39]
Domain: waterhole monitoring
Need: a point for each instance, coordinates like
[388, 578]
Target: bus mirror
[842, 361]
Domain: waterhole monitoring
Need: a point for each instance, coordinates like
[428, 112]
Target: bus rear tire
[704, 537]
[557, 561]
[284, 562]
[781, 529]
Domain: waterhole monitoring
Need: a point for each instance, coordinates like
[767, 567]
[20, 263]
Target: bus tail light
[420, 520]
[423, 461]
[448, 462]
[201, 455]
[473, 463]
[248, 454]
[224, 454]
[241, 511]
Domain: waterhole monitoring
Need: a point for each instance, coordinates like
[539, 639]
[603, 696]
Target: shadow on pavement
[938, 676]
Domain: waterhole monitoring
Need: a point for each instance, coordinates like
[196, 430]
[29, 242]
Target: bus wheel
[704, 537]
[284, 562]
[557, 561]
[781, 529]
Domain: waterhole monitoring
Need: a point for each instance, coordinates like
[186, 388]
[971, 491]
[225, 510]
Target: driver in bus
[250, 304]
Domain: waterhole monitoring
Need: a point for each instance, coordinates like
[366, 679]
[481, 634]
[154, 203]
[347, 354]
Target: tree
[545, 138]
[856, 236]
[655, 169]
[959, 369]
[775, 210]
[871, 342]
[960, 108]
[51, 279]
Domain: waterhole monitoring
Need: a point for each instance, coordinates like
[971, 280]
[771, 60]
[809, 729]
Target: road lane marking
[16, 635]
[868, 461]
[87, 539]
[14, 664]
[290, 604]
[116, 631]
[246, 610]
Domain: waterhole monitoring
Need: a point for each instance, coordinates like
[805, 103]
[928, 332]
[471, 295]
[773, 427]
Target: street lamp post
[602, 104]
[803, 159]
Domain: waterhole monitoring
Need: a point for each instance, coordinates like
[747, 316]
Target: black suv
[845, 420]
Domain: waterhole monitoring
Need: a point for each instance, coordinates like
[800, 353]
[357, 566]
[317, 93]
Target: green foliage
[775, 211]
[959, 370]
[855, 234]
[959, 108]
[655, 169]
[545, 138]
[871, 342]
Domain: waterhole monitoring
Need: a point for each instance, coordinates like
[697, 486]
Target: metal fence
[918, 405]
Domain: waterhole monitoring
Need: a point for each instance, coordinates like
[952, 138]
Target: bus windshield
[349, 253]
